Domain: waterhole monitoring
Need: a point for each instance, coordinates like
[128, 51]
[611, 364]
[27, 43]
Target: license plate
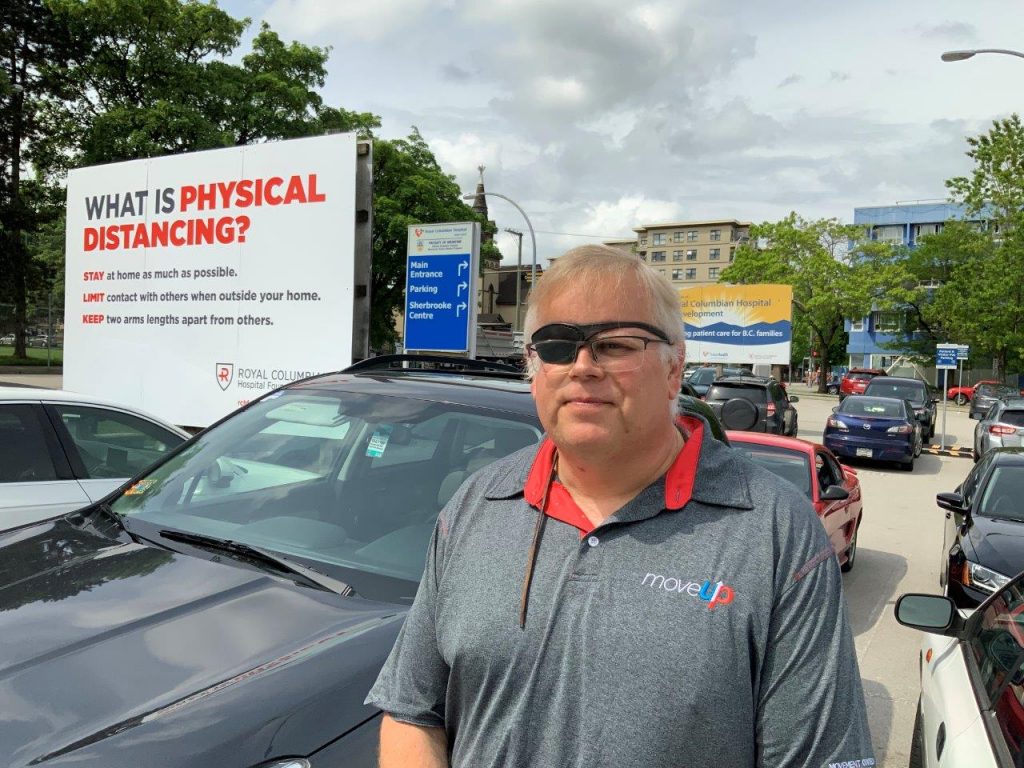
[865, 452]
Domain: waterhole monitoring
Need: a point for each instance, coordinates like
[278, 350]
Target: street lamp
[533, 237]
[519, 272]
[961, 55]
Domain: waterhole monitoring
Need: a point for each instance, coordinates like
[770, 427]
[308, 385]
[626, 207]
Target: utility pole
[519, 275]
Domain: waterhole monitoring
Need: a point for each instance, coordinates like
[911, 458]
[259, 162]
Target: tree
[409, 188]
[810, 256]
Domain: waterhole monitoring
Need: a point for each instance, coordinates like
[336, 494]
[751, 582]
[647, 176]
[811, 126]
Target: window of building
[715, 254]
[889, 234]
[657, 255]
[691, 273]
[920, 230]
[691, 236]
[677, 237]
[643, 255]
[716, 234]
[677, 274]
[658, 238]
[857, 325]
[643, 241]
[886, 322]
[691, 254]
[712, 273]
[677, 255]
[732, 254]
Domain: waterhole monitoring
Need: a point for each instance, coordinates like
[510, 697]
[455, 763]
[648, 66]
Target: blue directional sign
[440, 288]
[945, 356]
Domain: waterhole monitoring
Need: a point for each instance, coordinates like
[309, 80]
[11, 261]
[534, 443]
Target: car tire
[917, 741]
[908, 465]
[851, 553]
[961, 400]
[738, 414]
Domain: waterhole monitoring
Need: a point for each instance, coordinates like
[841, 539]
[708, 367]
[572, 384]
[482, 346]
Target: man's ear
[675, 374]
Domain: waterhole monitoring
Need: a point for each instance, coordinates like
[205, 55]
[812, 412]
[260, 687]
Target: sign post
[442, 264]
[946, 356]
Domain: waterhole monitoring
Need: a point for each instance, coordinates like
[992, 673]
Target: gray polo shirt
[714, 635]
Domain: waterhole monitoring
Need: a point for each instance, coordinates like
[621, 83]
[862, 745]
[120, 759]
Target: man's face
[586, 408]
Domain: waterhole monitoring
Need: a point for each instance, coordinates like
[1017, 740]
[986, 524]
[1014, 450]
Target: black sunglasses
[559, 343]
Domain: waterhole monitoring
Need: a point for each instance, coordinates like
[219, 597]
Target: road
[898, 551]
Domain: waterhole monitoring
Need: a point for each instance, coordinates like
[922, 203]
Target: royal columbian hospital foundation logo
[225, 374]
[711, 592]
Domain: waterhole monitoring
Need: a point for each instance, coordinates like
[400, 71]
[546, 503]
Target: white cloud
[375, 20]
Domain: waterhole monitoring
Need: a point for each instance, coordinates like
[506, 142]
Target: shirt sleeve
[413, 683]
[810, 708]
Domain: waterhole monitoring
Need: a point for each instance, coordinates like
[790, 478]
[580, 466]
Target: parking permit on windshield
[379, 441]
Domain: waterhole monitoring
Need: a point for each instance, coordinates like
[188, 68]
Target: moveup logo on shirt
[713, 594]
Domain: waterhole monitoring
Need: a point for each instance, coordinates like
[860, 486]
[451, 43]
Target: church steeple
[480, 201]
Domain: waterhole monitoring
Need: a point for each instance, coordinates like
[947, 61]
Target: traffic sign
[963, 352]
[946, 356]
[440, 287]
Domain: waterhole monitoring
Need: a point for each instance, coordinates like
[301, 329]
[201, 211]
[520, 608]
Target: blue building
[899, 224]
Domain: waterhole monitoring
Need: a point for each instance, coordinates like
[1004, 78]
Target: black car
[914, 390]
[233, 605]
[753, 404]
[983, 541]
[987, 395]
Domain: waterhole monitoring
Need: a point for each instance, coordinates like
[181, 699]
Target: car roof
[741, 380]
[775, 441]
[460, 387]
[876, 371]
[903, 380]
[13, 394]
[1011, 456]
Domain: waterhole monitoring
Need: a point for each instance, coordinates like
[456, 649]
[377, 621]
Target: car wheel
[918, 449]
[961, 399]
[851, 553]
[908, 465]
[917, 741]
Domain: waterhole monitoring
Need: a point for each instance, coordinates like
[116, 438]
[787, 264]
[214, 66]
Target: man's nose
[585, 364]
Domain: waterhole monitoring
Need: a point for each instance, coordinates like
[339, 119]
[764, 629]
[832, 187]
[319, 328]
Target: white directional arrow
[463, 305]
[463, 286]
[463, 265]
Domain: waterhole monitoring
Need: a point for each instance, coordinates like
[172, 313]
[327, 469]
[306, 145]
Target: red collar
[561, 506]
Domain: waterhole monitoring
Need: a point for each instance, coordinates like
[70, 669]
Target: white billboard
[197, 282]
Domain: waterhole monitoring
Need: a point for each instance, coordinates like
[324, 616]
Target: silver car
[60, 451]
[1001, 427]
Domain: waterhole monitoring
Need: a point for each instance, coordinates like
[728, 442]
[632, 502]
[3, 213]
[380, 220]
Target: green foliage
[409, 188]
[811, 257]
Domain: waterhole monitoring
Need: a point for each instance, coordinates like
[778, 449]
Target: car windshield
[916, 393]
[873, 407]
[792, 466]
[703, 376]
[1004, 493]
[721, 391]
[1012, 418]
[349, 484]
[995, 390]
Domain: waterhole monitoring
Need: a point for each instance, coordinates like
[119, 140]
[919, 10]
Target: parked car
[914, 390]
[983, 536]
[233, 605]
[753, 404]
[876, 428]
[856, 380]
[970, 710]
[963, 395]
[987, 395]
[833, 489]
[833, 384]
[60, 451]
[1001, 427]
[7, 339]
[701, 379]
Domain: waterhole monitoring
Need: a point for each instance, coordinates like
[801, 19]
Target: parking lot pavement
[898, 551]
[44, 380]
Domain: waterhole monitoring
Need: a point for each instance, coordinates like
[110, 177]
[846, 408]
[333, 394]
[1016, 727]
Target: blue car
[876, 428]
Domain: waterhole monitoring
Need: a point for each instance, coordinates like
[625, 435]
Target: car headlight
[982, 578]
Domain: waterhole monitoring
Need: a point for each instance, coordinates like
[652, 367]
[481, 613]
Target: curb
[42, 370]
[956, 451]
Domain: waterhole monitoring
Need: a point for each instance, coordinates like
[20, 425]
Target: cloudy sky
[597, 116]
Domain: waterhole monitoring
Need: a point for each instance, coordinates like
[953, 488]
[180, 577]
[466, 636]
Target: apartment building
[690, 252]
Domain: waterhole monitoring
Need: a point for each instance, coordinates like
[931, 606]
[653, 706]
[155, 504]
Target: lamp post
[519, 273]
[961, 55]
[533, 237]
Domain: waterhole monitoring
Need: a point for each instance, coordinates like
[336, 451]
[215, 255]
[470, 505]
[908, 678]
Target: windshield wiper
[263, 558]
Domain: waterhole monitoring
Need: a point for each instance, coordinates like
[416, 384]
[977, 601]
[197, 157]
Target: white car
[60, 451]
[971, 710]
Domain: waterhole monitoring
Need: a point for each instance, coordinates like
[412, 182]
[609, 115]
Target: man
[632, 593]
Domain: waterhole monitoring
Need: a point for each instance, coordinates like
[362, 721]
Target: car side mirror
[971, 414]
[835, 408]
[794, 399]
[835, 493]
[954, 502]
[929, 613]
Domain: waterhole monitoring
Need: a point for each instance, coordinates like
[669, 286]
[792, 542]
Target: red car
[855, 381]
[833, 489]
[964, 395]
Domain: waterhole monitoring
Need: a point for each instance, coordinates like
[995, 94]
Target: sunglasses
[560, 343]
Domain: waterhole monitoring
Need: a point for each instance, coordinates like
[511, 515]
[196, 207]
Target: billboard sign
[738, 323]
[197, 282]
[442, 262]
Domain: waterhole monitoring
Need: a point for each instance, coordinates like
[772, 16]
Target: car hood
[123, 654]
[997, 544]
